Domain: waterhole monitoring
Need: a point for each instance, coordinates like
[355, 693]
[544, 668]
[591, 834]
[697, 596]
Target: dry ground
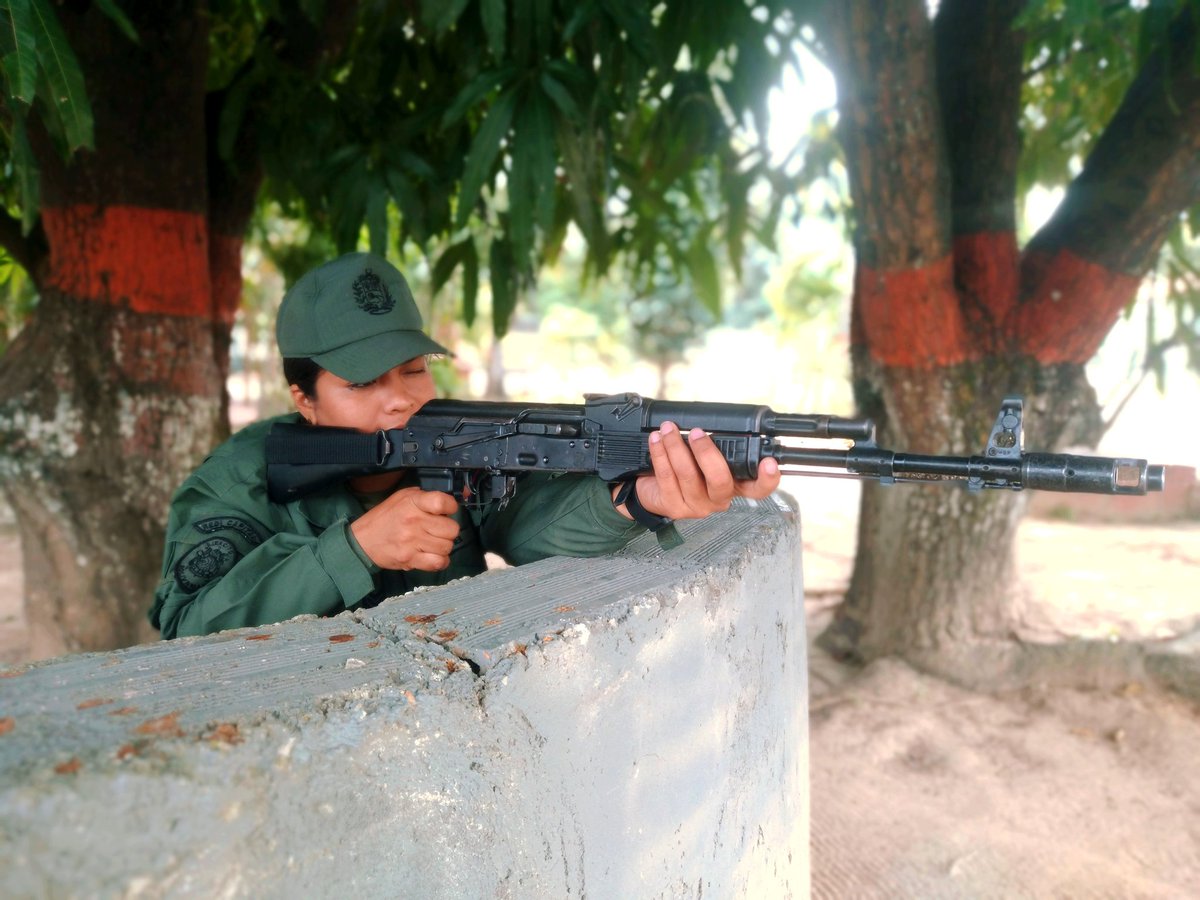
[923, 790]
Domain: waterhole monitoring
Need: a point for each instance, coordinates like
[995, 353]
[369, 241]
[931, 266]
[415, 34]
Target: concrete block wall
[632, 726]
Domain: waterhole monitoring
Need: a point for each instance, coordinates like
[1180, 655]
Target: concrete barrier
[633, 726]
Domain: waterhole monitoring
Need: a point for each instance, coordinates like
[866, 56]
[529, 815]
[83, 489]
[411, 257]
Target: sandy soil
[923, 790]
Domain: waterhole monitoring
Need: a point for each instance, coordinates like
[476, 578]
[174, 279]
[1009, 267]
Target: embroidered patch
[204, 562]
[229, 523]
[371, 294]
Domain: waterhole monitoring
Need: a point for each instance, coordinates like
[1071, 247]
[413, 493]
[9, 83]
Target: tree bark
[116, 388]
[110, 394]
[948, 315]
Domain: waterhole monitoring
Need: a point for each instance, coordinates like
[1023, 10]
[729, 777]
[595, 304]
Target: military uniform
[234, 558]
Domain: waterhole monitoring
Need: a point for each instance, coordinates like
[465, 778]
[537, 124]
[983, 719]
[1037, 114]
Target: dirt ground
[923, 790]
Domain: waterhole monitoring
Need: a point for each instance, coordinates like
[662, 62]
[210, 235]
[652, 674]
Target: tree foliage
[494, 126]
[39, 69]
[1081, 56]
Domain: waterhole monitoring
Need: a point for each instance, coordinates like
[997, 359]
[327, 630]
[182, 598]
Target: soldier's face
[387, 402]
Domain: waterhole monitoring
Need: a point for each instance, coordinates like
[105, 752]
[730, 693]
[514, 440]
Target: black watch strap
[663, 527]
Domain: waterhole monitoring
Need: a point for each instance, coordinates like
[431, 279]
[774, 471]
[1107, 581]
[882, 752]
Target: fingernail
[667, 427]
[655, 437]
[696, 433]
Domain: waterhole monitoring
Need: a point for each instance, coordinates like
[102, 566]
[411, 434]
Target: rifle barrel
[1038, 471]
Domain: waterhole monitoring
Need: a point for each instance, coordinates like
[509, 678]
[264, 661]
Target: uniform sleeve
[564, 515]
[223, 567]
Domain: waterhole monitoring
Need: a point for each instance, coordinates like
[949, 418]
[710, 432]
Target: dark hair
[302, 372]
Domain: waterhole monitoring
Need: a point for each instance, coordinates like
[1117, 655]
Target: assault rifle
[476, 450]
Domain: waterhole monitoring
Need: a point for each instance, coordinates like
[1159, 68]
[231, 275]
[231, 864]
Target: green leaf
[531, 193]
[735, 188]
[484, 149]
[314, 10]
[573, 76]
[474, 93]
[587, 204]
[561, 96]
[69, 100]
[412, 207]
[634, 21]
[450, 259]
[470, 283]
[376, 216]
[25, 168]
[584, 13]
[495, 22]
[440, 15]
[504, 285]
[350, 192]
[703, 269]
[465, 254]
[543, 26]
[414, 165]
[110, 9]
[20, 63]
[520, 44]
[557, 233]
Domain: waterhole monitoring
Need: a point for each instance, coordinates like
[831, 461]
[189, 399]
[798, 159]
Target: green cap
[353, 316]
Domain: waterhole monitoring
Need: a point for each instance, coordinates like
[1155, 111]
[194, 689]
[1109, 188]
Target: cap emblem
[372, 295]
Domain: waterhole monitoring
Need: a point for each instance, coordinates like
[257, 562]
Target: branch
[1143, 171]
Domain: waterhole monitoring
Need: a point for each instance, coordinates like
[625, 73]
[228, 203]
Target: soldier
[355, 355]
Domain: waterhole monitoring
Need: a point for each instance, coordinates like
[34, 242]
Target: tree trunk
[111, 393]
[948, 316]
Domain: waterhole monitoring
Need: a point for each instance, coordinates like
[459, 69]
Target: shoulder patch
[230, 523]
[204, 563]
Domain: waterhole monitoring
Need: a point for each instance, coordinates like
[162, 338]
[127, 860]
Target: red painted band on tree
[1071, 305]
[148, 260]
[987, 273]
[910, 317]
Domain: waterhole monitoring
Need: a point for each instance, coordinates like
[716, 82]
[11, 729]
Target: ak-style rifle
[476, 450]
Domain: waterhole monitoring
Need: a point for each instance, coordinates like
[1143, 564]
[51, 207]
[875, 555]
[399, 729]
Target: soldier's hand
[411, 529]
[691, 478]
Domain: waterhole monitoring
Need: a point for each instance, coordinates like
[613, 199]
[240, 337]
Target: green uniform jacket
[234, 559]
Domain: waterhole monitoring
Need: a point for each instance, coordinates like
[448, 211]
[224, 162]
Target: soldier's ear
[303, 403]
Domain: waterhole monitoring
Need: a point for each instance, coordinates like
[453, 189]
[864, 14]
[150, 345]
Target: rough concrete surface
[628, 726]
